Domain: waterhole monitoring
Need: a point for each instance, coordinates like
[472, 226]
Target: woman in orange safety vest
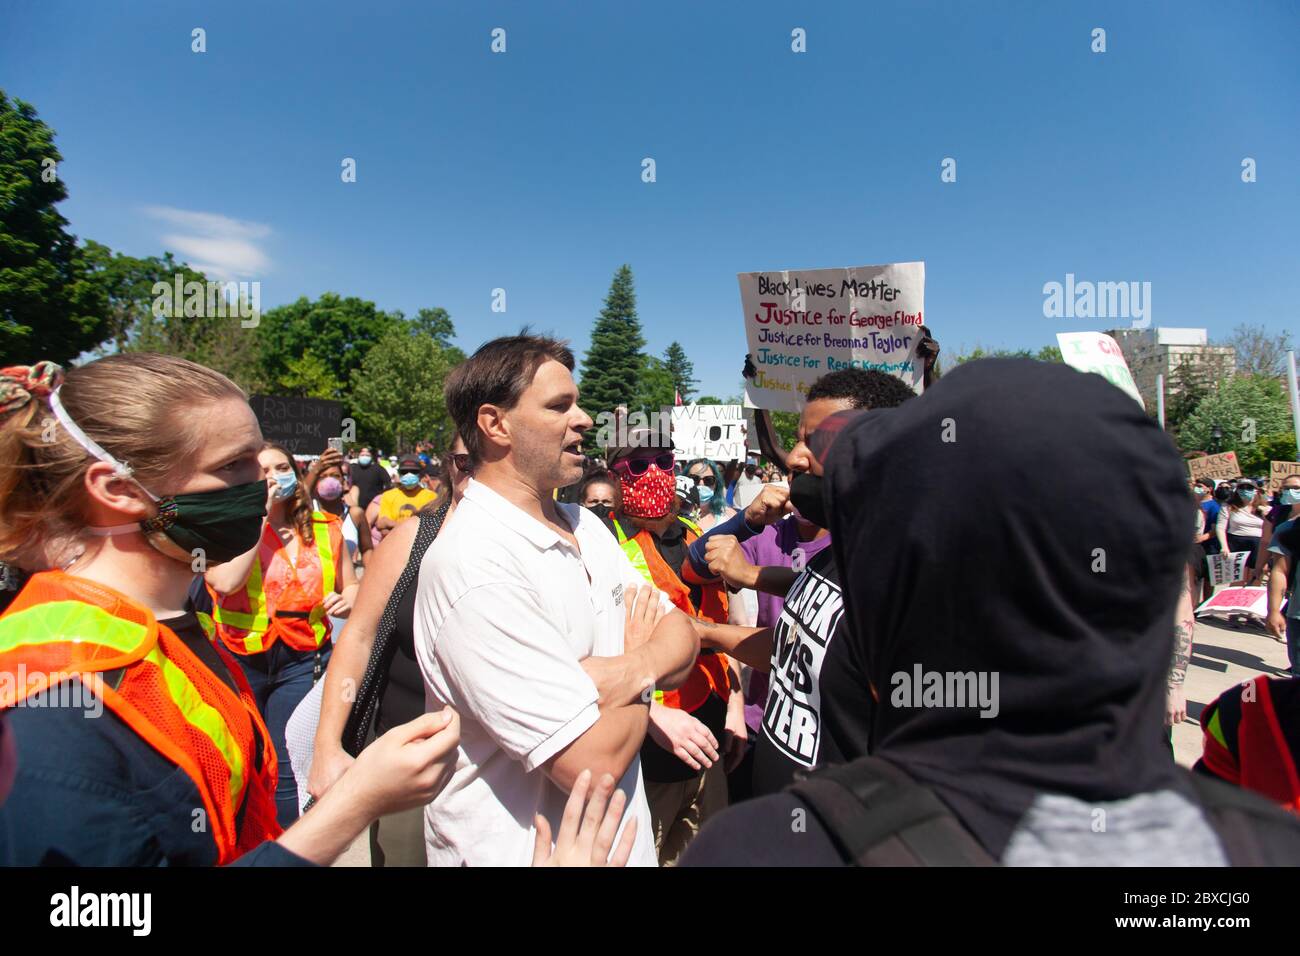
[118, 482]
[272, 605]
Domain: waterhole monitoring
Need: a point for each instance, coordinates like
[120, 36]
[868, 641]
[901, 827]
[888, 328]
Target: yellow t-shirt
[396, 505]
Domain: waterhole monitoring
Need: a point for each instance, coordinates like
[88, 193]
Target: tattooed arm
[1184, 627]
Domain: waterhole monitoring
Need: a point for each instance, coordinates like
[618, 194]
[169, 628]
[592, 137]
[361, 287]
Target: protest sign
[801, 324]
[302, 425]
[1226, 568]
[1219, 467]
[1237, 602]
[709, 431]
[1280, 471]
[1098, 352]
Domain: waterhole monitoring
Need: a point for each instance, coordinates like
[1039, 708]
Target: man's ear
[109, 491]
[492, 421]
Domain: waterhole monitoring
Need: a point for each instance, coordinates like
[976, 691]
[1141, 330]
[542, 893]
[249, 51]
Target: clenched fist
[728, 561]
[772, 503]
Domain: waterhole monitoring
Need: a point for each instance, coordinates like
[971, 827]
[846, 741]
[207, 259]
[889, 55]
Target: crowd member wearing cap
[697, 732]
[410, 495]
[813, 712]
[110, 485]
[1013, 770]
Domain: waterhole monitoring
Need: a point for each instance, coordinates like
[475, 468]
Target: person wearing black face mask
[117, 484]
[815, 712]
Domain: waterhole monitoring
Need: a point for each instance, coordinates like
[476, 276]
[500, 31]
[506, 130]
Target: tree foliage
[397, 392]
[1260, 352]
[682, 370]
[1247, 408]
[613, 365]
[48, 307]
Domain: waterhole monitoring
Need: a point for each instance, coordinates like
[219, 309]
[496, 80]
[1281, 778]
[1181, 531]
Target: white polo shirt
[504, 610]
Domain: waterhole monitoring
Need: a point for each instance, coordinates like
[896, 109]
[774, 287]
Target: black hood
[1048, 544]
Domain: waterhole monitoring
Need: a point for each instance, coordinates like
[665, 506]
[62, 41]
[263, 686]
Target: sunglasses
[707, 479]
[636, 467]
[461, 461]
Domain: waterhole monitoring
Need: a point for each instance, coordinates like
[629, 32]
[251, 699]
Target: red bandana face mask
[650, 495]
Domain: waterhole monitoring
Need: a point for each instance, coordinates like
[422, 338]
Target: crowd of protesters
[505, 652]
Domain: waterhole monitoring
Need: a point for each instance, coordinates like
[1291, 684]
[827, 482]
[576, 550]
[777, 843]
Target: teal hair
[719, 500]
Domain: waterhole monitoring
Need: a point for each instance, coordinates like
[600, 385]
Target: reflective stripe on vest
[257, 621]
[165, 694]
[710, 670]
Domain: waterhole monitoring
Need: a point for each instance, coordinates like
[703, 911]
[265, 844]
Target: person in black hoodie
[1055, 595]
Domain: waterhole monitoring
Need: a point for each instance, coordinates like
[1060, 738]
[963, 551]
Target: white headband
[120, 469]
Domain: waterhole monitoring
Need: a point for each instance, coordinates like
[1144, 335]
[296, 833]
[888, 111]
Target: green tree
[613, 366]
[682, 369]
[654, 386]
[397, 393]
[1247, 408]
[48, 308]
[338, 331]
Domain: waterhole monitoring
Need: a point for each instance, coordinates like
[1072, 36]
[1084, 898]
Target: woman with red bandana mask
[681, 760]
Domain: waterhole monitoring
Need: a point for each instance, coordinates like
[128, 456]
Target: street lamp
[1216, 436]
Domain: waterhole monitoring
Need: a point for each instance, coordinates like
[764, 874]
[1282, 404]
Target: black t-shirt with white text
[818, 708]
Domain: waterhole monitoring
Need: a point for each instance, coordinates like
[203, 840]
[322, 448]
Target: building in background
[1162, 351]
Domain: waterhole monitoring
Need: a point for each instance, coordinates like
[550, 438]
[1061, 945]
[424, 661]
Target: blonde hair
[140, 408]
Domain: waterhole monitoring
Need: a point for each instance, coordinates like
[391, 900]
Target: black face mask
[806, 496]
[600, 511]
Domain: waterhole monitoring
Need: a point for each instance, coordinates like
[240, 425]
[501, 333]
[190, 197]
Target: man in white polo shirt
[519, 617]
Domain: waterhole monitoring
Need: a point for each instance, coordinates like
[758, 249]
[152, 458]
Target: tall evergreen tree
[682, 369]
[612, 366]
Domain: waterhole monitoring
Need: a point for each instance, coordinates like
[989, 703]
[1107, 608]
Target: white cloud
[221, 247]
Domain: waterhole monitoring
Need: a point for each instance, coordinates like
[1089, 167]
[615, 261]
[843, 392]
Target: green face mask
[223, 524]
[218, 525]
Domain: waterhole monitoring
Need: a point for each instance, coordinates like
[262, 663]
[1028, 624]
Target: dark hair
[601, 476]
[862, 387]
[497, 374]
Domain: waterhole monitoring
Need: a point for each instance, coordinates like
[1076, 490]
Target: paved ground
[1222, 655]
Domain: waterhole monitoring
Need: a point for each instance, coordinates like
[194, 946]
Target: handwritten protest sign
[302, 425]
[709, 431]
[1280, 471]
[799, 325]
[1219, 467]
[1226, 568]
[1237, 602]
[1098, 352]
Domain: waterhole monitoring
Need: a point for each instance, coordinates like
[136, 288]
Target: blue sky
[522, 170]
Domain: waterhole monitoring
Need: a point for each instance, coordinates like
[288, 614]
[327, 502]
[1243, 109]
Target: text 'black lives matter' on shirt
[818, 708]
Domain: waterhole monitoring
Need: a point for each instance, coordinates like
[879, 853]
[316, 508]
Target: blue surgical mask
[1289, 496]
[364, 460]
[408, 480]
[1247, 494]
[705, 493]
[286, 481]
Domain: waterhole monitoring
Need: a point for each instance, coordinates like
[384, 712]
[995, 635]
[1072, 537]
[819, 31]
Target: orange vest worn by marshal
[710, 670]
[282, 599]
[61, 627]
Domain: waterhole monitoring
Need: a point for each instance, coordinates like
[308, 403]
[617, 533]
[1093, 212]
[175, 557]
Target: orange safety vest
[710, 671]
[280, 600]
[1262, 759]
[60, 627]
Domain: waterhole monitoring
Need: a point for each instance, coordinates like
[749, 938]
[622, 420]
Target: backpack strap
[879, 816]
